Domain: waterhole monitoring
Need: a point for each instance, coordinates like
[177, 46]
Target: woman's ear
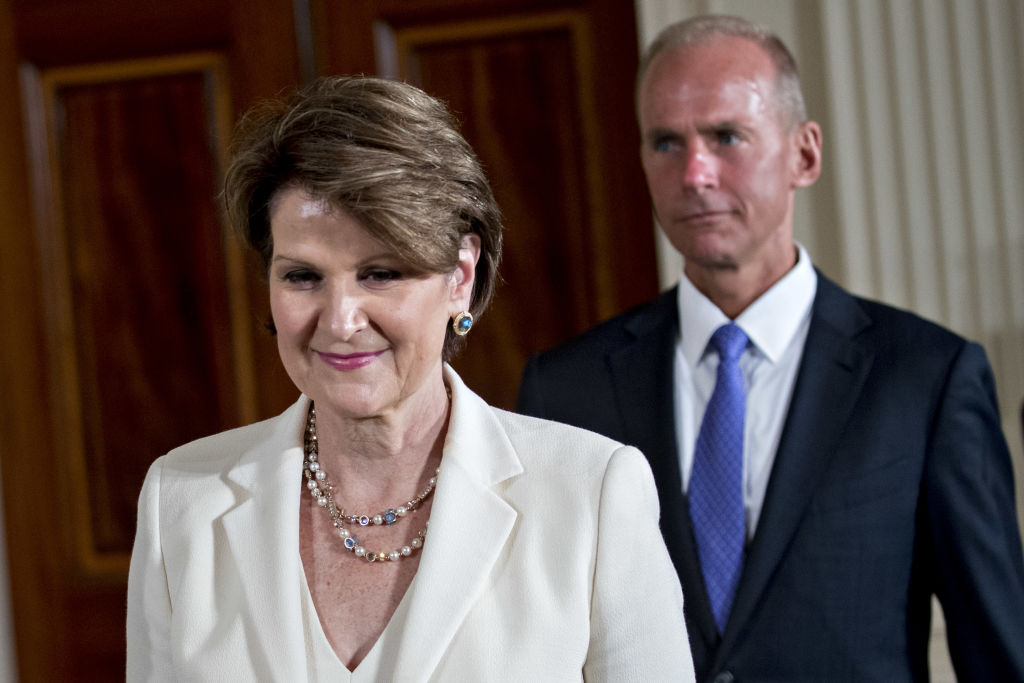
[465, 272]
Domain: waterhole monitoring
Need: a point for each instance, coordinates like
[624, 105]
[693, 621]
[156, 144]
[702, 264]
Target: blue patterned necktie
[716, 482]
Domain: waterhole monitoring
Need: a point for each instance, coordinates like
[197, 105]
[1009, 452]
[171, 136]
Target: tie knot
[729, 340]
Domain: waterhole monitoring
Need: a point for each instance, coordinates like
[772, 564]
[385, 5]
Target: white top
[777, 325]
[322, 661]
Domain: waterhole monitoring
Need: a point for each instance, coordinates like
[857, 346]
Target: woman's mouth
[348, 361]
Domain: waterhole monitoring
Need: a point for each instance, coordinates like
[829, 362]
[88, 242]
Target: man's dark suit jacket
[892, 481]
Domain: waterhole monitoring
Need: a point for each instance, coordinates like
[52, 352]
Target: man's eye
[727, 138]
[664, 144]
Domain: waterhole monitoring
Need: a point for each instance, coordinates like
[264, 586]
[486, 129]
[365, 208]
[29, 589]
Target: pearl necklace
[322, 491]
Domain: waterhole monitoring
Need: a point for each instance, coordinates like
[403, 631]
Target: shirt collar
[770, 322]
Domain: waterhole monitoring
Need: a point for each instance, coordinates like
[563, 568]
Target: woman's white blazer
[543, 562]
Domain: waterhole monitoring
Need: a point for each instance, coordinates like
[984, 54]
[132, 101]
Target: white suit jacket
[543, 563]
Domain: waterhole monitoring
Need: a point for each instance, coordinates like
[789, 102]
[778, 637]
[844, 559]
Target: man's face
[721, 163]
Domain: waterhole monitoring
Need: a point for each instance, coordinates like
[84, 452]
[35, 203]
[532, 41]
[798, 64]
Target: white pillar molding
[924, 114]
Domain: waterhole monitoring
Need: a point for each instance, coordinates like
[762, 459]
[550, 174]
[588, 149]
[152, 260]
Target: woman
[297, 548]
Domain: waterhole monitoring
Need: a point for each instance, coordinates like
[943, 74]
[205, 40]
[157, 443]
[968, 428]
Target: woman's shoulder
[544, 449]
[527, 426]
[564, 463]
[205, 477]
[542, 440]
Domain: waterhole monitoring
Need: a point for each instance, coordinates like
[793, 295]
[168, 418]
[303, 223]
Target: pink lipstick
[348, 361]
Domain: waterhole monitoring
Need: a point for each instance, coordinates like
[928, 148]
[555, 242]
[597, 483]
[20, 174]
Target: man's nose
[701, 168]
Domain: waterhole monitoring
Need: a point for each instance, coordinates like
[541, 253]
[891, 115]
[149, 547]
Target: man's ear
[807, 160]
[464, 275]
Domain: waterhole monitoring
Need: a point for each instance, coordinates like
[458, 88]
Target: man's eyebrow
[661, 134]
[729, 124]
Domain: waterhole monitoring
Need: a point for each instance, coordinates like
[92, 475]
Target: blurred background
[131, 321]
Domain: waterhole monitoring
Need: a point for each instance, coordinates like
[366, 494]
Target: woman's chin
[353, 402]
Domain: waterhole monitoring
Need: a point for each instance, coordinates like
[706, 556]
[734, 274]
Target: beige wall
[922, 200]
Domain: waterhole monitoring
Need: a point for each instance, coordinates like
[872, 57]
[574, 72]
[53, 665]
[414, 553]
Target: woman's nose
[345, 314]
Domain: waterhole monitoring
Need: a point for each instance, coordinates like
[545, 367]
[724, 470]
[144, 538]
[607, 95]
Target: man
[865, 463]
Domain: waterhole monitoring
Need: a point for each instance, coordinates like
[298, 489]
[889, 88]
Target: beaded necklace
[322, 491]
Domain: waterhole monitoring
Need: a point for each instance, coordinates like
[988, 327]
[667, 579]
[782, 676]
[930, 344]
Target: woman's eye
[299, 277]
[381, 275]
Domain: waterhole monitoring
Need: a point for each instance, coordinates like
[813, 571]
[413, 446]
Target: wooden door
[544, 89]
[127, 319]
[131, 322]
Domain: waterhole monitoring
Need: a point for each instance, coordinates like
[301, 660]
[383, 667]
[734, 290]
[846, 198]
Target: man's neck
[733, 289]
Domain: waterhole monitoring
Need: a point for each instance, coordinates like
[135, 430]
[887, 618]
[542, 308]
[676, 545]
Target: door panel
[138, 331]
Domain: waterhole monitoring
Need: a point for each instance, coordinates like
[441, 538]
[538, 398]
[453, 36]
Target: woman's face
[359, 331]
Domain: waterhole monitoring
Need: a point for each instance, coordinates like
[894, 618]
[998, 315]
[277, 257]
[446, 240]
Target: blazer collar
[262, 532]
[469, 526]
[831, 376]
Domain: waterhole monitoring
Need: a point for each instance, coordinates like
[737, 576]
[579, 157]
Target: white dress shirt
[777, 325]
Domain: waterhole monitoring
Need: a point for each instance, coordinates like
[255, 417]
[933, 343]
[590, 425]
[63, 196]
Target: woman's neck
[385, 459]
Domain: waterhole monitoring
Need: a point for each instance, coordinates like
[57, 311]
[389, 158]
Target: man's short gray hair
[696, 30]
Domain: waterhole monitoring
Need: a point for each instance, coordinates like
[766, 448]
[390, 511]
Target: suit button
[724, 677]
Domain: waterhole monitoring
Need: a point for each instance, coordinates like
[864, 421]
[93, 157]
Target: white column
[922, 124]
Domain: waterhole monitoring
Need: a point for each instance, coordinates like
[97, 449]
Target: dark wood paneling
[139, 328]
[263, 63]
[64, 32]
[139, 319]
[537, 156]
[26, 427]
[129, 326]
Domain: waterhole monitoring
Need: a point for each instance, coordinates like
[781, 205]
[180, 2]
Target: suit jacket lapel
[642, 376]
[262, 532]
[830, 378]
[469, 526]
[642, 373]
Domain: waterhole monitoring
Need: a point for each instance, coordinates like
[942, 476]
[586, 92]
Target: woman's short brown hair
[387, 154]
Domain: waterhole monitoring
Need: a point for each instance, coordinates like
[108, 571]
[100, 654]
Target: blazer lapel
[263, 536]
[469, 526]
[829, 380]
[642, 373]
